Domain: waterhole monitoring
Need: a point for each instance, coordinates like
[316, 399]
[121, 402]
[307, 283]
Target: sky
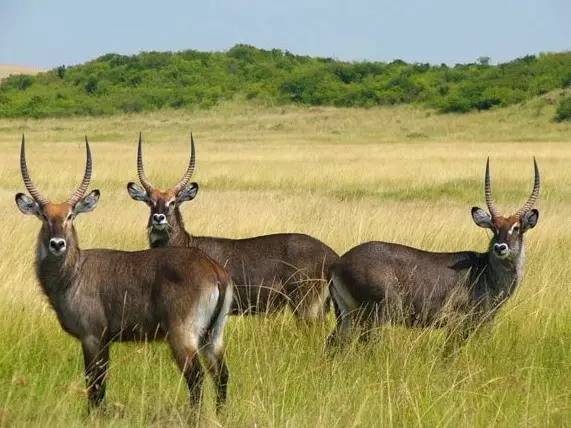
[46, 34]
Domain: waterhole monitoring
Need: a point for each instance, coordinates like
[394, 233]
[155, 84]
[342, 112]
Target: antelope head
[58, 232]
[507, 241]
[163, 204]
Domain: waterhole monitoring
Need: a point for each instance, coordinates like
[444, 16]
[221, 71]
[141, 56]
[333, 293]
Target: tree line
[191, 79]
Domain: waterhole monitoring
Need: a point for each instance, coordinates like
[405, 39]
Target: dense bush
[188, 79]
[563, 110]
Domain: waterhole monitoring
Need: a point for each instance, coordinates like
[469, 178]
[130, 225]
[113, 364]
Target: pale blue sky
[48, 33]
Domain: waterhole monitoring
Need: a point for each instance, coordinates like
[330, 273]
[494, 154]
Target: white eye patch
[514, 226]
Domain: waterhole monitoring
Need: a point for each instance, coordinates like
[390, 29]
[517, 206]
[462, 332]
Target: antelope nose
[159, 218]
[57, 244]
[501, 248]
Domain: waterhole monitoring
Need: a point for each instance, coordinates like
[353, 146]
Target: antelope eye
[516, 229]
[69, 216]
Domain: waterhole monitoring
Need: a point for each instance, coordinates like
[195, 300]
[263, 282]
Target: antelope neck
[503, 275]
[54, 273]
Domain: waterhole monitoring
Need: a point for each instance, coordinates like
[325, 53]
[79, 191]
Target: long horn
[534, 193]
[488, 192]
[140, 169]
[186, 177]
[78, 194]
[32, 190]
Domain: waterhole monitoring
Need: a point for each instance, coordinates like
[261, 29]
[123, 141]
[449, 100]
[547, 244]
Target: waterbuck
[269, 272]
[380, 282]
[102, 296]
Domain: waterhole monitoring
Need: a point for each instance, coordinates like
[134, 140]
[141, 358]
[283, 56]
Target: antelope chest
[71, 313]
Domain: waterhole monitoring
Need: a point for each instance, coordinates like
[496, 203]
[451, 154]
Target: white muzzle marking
[57, 246]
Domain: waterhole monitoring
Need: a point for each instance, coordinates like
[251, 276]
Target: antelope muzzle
[57, 246]
[501, 250]
[159, 221]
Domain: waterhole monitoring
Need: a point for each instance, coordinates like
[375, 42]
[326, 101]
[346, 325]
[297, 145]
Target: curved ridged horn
[488, 192]
[189, 171]
[140, 169]
[78, 194]
[32, 190]
[534, 193]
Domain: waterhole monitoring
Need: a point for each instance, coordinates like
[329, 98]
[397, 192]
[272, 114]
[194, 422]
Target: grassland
[8, 70]
[344, 176]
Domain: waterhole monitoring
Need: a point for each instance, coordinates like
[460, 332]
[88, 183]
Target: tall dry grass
[9, 70]
[344, 176]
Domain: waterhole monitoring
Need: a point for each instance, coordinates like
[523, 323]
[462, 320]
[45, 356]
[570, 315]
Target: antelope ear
[529, 220]
[87, 203]
[482, 218]
[27, 205]
[188, 193]
[137, 192]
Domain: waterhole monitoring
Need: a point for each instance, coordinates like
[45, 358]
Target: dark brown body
[274, 271]
[380, 282]
[269, 272]
[419, 288]
[137, 295]
[103, 296]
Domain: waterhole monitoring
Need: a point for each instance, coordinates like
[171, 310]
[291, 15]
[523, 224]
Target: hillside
[191, 79]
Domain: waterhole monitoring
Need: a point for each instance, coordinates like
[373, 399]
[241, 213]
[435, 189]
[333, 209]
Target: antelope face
[507, 242]
[162, 204]
[57, 219]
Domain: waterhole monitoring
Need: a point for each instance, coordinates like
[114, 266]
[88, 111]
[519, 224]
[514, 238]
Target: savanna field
[345, 176]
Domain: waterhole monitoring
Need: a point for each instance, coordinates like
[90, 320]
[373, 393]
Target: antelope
[380, 282]
[269, 272]
[102, 296]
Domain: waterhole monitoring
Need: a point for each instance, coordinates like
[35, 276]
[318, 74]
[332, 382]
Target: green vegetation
[564, 110]
[191, 79]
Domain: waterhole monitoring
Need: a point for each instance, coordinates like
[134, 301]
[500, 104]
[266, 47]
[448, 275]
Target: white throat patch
[42, 253]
